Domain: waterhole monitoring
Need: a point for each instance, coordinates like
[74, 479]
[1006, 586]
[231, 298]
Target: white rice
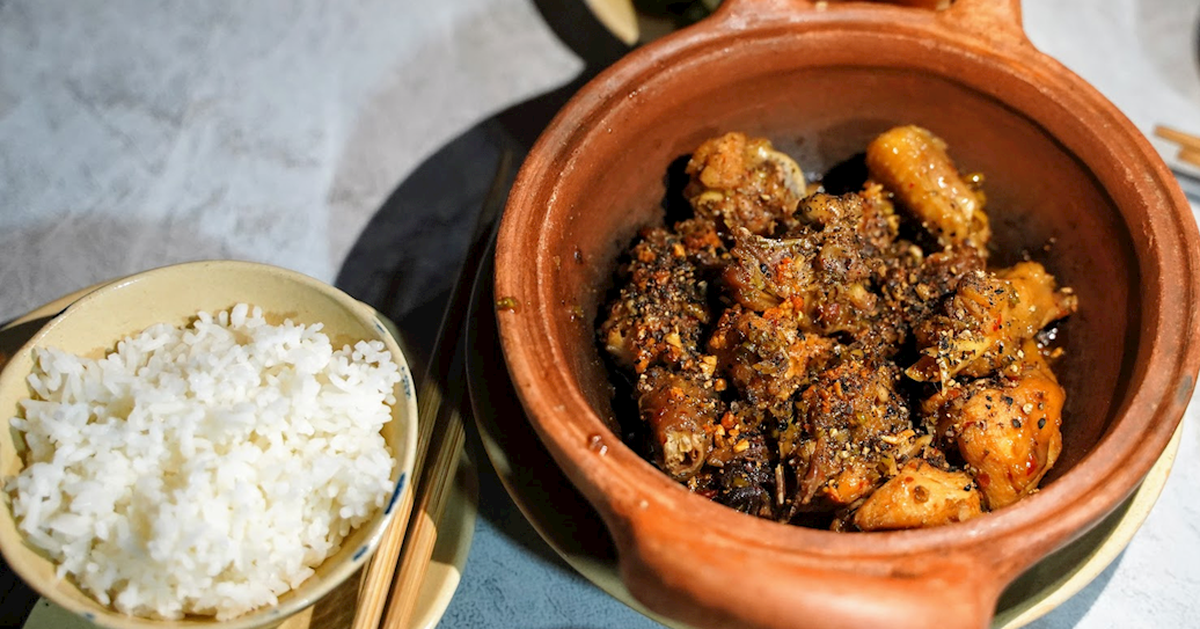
[207, 469]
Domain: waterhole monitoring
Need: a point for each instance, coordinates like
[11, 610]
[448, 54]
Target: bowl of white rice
[213, 443]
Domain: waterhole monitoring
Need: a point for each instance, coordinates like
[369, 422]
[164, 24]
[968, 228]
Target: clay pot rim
[622, 482]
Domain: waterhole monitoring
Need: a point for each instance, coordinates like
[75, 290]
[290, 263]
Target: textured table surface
[135, 135]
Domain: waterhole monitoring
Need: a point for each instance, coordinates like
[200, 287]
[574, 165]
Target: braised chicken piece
[681, 412]
[869, 215]
[766, 337]
[1007, 428]
[915, 285]
[702, 244]
[766, 272]
[767, 356]
[659, 315]
[851, 417]
[986, 322]
[825, 271]
[746, 482]
[919, 495]
[913, 164]
[745, 183]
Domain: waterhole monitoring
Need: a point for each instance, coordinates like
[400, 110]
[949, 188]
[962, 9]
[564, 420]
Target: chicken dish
[845, 361]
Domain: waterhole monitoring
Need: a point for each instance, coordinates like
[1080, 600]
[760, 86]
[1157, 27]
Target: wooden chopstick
[423, 532]
[1189, 145]
[1190, 156]
[377, 578]
[389, 592]
[1186, 141]
[440, 476]
[376, 584]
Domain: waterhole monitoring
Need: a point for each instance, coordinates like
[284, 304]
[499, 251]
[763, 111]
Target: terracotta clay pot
[1062, 166]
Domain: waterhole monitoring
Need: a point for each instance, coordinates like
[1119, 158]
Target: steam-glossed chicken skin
[913, 164]
[1006, 427]
[920, 495]
[986, 323]
[840, 361]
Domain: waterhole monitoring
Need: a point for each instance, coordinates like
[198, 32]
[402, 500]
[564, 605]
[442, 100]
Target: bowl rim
[289, 603]
[1158, 392]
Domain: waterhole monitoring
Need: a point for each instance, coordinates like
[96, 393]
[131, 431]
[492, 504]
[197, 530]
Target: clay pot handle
[996, 22]
[711, 582]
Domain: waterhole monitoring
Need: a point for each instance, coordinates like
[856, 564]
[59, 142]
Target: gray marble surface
[138, 134]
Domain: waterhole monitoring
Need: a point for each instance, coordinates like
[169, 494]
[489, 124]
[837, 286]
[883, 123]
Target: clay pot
[1062, 166]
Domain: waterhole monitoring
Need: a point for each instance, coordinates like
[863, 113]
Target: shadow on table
[439, 203]
[406, 261]
[497, 506]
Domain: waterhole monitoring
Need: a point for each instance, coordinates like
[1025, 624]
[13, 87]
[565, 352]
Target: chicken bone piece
[742, 182]
[682, 411]
[869, 215]
[767, 356]
[826, 271]
[748, 482]
[915, 285]
[850, 423]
